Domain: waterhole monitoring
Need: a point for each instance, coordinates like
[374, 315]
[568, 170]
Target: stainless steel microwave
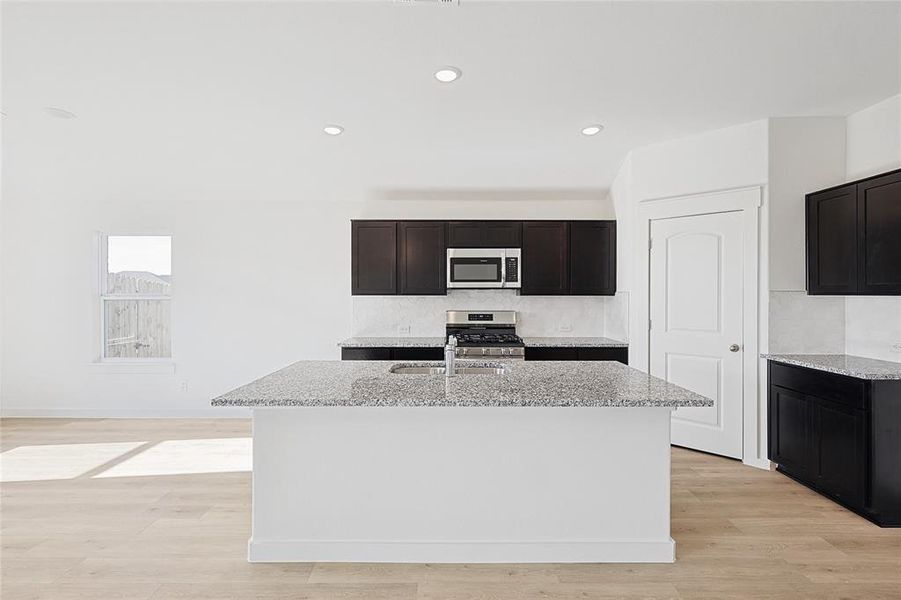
[484, 267]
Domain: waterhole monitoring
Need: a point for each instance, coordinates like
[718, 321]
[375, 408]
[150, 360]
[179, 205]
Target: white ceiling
[255, 82]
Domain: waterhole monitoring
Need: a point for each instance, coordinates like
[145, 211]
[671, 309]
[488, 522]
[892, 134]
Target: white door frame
[747, 200]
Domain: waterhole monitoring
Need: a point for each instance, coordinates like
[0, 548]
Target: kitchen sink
[492, 369]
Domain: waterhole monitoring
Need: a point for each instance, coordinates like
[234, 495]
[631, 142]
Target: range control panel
[480, 317]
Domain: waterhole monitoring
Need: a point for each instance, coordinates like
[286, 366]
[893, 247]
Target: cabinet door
[422, 261]
[879, 235]
[503, 234]
[465, 234]
[373, 257]
[545, 258]
[790, 438]
[592, 258]
[832, 241]
[617, 354]
[840, 451]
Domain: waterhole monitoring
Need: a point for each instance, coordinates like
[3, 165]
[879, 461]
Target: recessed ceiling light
[448, 74]
[592, 129]
[333, 129]
[59, 113]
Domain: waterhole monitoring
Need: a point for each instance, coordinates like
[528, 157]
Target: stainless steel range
[485, 333]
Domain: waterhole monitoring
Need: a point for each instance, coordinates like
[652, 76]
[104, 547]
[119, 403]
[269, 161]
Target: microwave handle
[504, 270]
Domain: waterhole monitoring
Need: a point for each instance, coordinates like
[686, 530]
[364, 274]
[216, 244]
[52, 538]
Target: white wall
[874, 139]
[257, 284]
[715, 160]
[217, 140]
[873, 324]
[805, 154]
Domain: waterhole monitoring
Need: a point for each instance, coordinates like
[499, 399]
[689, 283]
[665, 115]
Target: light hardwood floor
[137, 523]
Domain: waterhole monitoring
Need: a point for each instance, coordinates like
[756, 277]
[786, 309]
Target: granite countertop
[574, 342]
[438, 342]
[842, 364]
[540, 383]
[392, 342]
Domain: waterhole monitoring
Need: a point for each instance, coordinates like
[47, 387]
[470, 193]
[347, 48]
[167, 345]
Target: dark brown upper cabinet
[832, 241]
[854, 238]
[410, 257]
[879, 235]
[592, 258]
[545, 258]
[484, 234]
[422, 258]
[373, 257]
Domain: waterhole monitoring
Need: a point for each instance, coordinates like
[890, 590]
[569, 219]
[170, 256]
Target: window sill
[133, 368]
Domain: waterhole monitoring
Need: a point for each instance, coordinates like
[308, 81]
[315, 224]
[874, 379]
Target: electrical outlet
[403, 330]
[566, 327]
[896, 347]
[184, 385]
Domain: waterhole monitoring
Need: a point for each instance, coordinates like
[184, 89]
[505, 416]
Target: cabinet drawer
[847, 391]
[417, 353]
[552, 353]
[365, 353]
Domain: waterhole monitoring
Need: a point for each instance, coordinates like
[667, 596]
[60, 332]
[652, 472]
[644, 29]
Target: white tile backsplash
[538, 315]
[616, 317]
[873, 327]
[802, 324]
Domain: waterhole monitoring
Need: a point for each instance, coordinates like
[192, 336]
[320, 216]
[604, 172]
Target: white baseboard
[113, 413]
[758, 463]
[550, 551]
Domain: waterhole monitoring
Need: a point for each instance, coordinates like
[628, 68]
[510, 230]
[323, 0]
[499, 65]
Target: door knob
[734, 348]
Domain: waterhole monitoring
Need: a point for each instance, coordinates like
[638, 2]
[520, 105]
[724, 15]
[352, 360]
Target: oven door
[472, 268]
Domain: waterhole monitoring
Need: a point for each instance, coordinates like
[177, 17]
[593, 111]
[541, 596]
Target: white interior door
[696, 324]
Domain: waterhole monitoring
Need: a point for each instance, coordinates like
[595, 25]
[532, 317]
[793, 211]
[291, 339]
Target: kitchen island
[547, 462]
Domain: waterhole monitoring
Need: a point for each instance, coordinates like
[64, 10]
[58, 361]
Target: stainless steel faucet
[450, 356]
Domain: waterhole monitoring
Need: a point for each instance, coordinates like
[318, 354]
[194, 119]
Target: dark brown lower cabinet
[577, 353]
[392, 353]
[532, 353]
[840, 436]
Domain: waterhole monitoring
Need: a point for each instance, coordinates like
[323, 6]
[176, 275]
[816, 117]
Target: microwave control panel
[511, 268]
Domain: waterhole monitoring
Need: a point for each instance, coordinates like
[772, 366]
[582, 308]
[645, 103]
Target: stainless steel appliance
[485, 333]
[484, 267]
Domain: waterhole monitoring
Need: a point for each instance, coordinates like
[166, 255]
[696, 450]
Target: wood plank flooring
[176, 534]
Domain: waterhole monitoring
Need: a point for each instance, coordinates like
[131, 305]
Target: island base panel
[461, 485]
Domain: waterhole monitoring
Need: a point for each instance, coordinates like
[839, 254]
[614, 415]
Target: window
[135, 297]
